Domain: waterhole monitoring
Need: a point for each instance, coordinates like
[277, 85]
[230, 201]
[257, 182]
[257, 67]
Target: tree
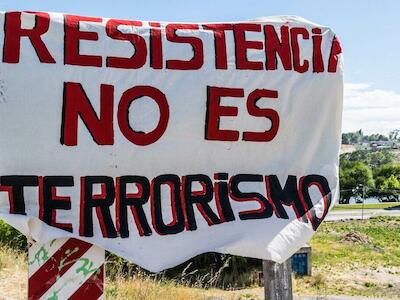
[355, 179]
[346, 139]
[375, 137]
[394, 135]
[387, 182]
[358, 137]
[373, 159]
[352, 137]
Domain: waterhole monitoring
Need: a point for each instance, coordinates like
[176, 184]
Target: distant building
[378, 145]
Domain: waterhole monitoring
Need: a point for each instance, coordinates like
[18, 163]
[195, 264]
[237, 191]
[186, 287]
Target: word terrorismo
[184, 198]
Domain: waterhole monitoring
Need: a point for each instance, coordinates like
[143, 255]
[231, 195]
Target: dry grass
[13, 284]
[13, 274]
[145, 288]
[349, 258]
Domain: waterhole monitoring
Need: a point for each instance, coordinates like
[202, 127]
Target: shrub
[11, 237]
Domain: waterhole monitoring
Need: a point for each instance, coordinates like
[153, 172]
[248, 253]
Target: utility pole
[277, 280]
[363, 200]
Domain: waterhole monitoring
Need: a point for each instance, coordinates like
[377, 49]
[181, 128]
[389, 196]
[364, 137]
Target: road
[348, 214]
[335, 298]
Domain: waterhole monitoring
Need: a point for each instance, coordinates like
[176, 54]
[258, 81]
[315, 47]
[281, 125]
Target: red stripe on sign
[92, 288]
[55, 266]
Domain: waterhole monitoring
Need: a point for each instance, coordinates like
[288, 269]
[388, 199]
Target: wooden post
[277, 280]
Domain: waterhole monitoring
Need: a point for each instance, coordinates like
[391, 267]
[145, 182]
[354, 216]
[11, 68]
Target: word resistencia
[150, 40]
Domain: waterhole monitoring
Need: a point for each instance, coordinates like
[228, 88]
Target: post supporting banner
[277, 280]
[66, 269]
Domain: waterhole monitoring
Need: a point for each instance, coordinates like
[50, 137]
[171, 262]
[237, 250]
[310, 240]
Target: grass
[13, 273]
[146, 288]
[357, 257]
[149, 289]
[366, 206]
[13, 284]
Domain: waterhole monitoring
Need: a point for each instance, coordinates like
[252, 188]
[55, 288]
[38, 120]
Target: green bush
[11, 237]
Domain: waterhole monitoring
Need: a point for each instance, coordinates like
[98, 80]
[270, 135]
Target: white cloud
[372, 110]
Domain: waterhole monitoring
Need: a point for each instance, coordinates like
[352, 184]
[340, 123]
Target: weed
[369, 284]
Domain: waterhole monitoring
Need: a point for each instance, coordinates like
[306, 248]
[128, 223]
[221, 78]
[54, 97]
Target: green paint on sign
[87, 267]
[40, 256]
[54, 296]
[62, 263]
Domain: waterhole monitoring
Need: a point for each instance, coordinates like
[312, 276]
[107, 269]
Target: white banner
[160, 141]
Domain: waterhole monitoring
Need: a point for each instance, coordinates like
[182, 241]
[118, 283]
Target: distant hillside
[352, 148]
[347, 148]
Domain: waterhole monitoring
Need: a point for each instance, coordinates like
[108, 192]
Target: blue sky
[367, 30]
